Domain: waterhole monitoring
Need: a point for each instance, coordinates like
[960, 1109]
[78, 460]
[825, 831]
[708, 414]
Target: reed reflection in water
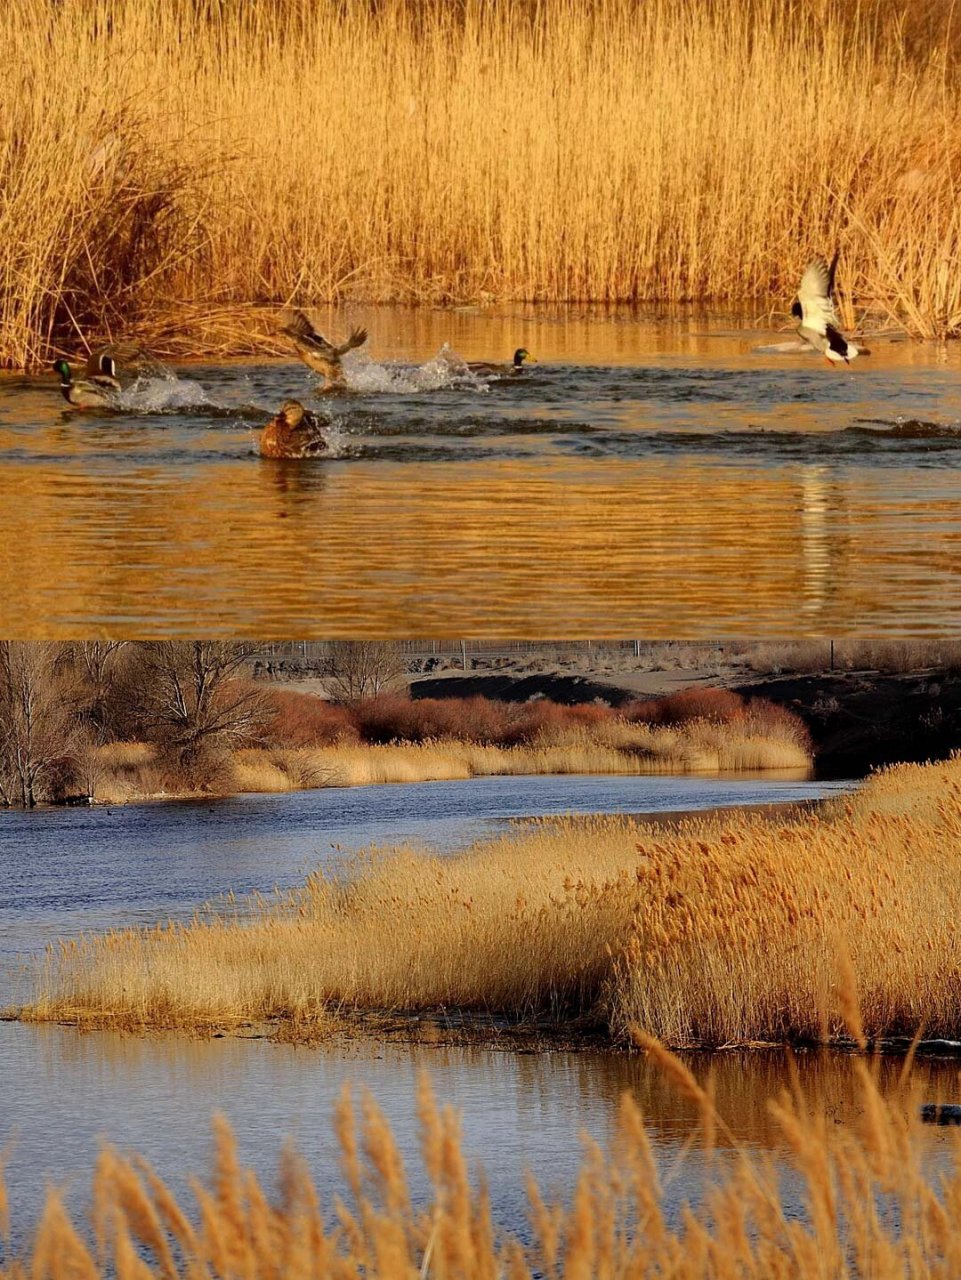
[656, 545]
[521, 1112]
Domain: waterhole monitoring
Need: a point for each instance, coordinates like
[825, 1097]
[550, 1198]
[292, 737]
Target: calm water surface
[61, 1092]
[656, 478]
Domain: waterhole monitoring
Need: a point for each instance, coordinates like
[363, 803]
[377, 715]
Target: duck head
[521, 355]
[292, 412]
[61, 367]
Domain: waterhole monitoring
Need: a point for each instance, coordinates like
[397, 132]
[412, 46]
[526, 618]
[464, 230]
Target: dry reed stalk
[170, 170]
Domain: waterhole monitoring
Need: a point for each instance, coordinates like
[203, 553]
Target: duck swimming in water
[814, 307]
[294, 433]
[319, 354]
[521, 357]
[97, 389]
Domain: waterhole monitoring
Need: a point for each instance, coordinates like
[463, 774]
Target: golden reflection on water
[658, 547]
[148, 525]
[520, 1113]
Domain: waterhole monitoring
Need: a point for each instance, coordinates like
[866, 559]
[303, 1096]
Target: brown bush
[392, 718]
[545, 719]
[720, 706]
[768, 720]
[304, 720]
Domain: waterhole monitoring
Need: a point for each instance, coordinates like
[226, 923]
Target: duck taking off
[814, 307]
[294, 433]
[316, 352]
[97, 389]
[516, 366]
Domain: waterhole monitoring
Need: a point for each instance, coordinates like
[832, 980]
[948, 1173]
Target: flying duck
[814, 307]
[316, 352]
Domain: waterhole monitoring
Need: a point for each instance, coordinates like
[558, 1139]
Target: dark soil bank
[504, 687]
[859, 720]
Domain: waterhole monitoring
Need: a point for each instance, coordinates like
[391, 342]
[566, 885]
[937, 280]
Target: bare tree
[362, 668]
[187, 695]
[41, 739]
[94, 666]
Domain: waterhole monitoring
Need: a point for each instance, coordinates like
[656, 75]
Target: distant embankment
[566, 690]
[858, 721]
[863, 720]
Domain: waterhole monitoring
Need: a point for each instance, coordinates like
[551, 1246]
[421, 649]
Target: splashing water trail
[165, 393]
[338, 440]
[445, 370]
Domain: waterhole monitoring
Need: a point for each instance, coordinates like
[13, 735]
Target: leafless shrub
[362, 668]
[41, 739]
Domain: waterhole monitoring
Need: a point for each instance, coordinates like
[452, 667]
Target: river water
[64, 871]
[653, 477]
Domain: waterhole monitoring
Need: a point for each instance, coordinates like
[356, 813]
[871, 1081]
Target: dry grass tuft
[170, 169]
[721, 929]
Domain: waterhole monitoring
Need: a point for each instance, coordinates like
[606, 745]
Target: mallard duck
[97, 389]
[516, 366]
[294, 433]
[814, 307]
[316, 352]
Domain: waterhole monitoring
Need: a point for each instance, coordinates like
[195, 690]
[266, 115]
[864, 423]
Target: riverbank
[131, 772]
[859, 718]
[727, 930]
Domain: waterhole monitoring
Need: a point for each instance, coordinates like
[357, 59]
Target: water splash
[339, 443]
[445, 370]
[907, 429]
[164, 393]
[792, 348]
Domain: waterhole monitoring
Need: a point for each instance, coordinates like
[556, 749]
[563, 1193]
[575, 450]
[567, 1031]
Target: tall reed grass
[864, 1200]
[723, 929]
[129, 771]
[171, 170]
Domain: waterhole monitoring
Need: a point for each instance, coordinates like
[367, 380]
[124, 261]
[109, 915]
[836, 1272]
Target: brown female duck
[316, 352]
[294, 433]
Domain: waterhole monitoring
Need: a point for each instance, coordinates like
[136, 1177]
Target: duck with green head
[521, 357]
[97, 389]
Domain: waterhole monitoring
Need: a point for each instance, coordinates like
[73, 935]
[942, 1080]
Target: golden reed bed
[871, 1204]
[726, 929]
[128, 771]
[173, 172]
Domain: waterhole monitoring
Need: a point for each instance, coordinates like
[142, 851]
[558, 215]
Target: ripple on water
[641, 477]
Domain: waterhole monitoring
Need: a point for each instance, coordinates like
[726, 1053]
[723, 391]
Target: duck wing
[101, 371]
[300, 329]
[814, 296]
[99, 364]
[357, 339]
